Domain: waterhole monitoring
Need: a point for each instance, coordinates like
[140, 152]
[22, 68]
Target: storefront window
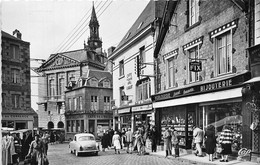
[225, 114]
[125, 121]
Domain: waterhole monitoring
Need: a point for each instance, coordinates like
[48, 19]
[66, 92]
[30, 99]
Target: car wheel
[76, 153]
[71, 151]
[96, 153]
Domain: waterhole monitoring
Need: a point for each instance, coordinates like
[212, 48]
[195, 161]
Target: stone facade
[16, 88]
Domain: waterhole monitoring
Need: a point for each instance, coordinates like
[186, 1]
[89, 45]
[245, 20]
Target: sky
[53, 26]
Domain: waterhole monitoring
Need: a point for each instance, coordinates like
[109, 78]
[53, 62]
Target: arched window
[50, 125]
[60, 124]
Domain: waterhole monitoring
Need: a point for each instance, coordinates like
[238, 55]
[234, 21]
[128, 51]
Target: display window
[182, 119]
[224, 114]
[125, 121]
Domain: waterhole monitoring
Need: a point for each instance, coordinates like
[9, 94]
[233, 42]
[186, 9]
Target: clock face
[59, 61]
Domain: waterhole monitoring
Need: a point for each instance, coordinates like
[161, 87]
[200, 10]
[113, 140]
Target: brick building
[201, 64]
[62, 69]
[88, 107]
[16, 88]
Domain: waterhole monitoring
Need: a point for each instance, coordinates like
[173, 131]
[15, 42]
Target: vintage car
[83, 143]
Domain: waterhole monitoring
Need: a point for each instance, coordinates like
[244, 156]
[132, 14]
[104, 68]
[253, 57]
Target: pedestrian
[123, 138]
[36, 151]
[167, 141]
[139, 142]
[105, 141]
[175, 141]
[52, 138]
[116, 142]
[210, 141]
[154, 138]
[198, 136]
[129, 140]
[225, 140]
[45, 140]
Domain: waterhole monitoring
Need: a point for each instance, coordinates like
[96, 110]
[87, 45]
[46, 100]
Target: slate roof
[6, 35]
[153, 10]
[99, 74]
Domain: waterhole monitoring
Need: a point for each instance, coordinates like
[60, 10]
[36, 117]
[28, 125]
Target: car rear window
[84, 138]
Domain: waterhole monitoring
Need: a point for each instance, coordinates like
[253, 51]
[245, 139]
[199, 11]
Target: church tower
[94, 41]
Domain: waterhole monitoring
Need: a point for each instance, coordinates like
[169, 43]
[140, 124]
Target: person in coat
[36, 151]
[105, 141]
[175, 141]
[167, 136]
[226, 139]
[198, 136]
[116, 142]
[129, 140]
[139, 142]
[210, 141]
[154, 138]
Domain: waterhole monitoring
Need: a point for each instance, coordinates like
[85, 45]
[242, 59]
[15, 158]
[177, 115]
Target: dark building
[64, 69]
[16, 88]
[201, 65]
[88, 107]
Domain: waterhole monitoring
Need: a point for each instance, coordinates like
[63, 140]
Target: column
[95, 127]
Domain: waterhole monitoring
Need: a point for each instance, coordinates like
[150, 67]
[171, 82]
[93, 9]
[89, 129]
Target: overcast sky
[53, 26]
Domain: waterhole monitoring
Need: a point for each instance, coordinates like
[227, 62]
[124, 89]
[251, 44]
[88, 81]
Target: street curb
[182, 159]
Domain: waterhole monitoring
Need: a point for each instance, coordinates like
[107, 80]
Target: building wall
[130, 77]
[214, 14]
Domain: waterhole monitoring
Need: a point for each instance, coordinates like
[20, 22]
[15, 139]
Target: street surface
[58, 154]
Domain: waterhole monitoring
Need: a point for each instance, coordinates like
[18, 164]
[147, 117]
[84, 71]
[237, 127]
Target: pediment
[60, 61]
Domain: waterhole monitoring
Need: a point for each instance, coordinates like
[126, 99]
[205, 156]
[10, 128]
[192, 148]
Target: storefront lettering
[16, 116]
[74, 117]
[197, 89]
[99, 116]
[162, 97]
[188, 90]
[129, 81]
[216, 85]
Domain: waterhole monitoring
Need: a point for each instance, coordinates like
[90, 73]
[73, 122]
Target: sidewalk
[201, 160]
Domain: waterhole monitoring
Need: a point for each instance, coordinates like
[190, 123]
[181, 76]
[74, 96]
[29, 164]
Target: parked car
[83, 143]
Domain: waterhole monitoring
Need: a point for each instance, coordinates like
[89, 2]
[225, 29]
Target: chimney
[17, 34]
[110, 50]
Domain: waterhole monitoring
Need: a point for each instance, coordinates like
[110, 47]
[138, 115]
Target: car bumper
[87, 151]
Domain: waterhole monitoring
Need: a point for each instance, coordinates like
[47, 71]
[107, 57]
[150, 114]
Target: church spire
[94, 41]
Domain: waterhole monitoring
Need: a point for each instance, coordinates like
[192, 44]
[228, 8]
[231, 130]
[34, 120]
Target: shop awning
[207, 97]
[252, 80]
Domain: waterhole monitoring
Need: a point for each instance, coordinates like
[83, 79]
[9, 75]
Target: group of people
[171, 140]
[127, 138]
[223, 141]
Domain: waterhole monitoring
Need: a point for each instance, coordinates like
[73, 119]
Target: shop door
[20, 125]
[91, 126]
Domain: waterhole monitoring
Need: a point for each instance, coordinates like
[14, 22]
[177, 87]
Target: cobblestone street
[58, 154]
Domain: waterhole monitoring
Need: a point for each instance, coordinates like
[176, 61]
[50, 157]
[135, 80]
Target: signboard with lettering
[195, 66]
[125, 110]
[203, 88]
[142, 108]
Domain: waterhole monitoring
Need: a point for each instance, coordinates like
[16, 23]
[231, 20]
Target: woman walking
[210, 142]
[175, 141]
[139, 142]
[167, 141]
[225, 139]
[36, 151]
[116, 142]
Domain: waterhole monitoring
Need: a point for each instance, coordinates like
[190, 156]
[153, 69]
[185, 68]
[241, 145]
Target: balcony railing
[88, 111]
[58, 98]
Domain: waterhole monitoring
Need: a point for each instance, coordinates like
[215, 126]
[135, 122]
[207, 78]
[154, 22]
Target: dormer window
[93, 82]
[106, 83]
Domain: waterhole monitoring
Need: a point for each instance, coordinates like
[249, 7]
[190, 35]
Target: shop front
[18, 121]
[124, 118]
[91, 122]
[216, 103]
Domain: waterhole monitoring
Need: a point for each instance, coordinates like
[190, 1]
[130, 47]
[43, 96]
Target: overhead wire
[86, 28]
[77, 27]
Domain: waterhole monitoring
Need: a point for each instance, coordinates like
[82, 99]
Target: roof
[78, 55]
[99, 74]
[84, 134]
[149, 14]
[6, 35]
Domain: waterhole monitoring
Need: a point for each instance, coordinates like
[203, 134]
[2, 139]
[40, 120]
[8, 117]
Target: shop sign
[254, 53]
[129, 81]
[142, 108]
[74, 116]
[99, 116]
[125, 110]
[195, 66]
[207, 87]
[17, 116]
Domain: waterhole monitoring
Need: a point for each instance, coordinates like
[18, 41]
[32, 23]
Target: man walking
[129, 140]
[198, 135]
